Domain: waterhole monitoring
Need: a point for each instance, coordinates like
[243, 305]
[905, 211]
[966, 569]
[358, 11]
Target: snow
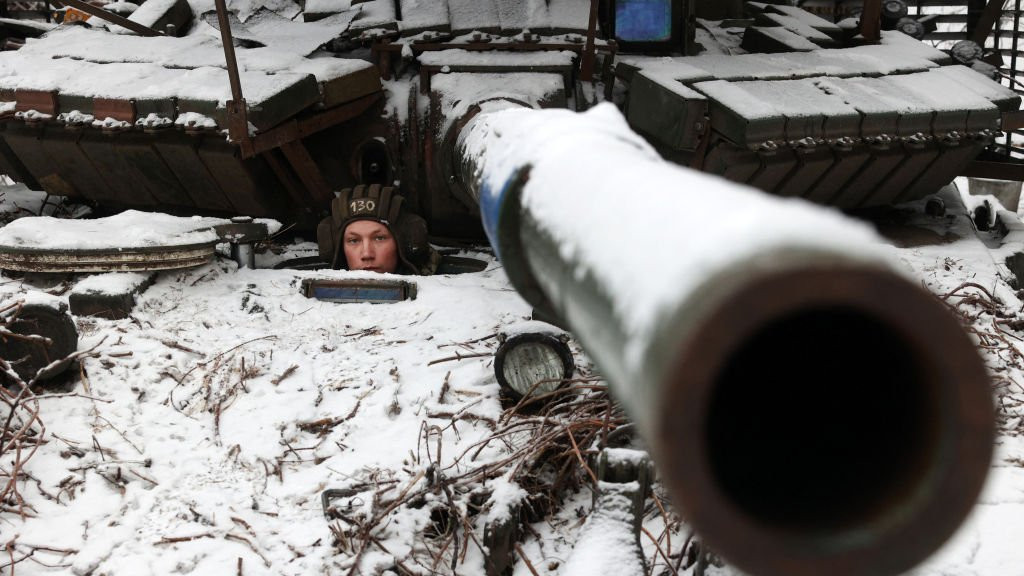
[532, 327]
[216, 481]
[197, 399]
[569, 14]
[151, 11]
[459, 57]
[327, 6]
[674, 86]
[194, 120]
[791, 40]
[940, 92]
[17, 200]
[129, 229]
[796, 98]
[968, 79]
[869, 60]
[374, 14]
[193, 51]
[607, 538]
[799, 26]
[424, 14]
[42, 299]
[26, 71]
[112, 283]
[459, 92]
[300, 38]
[153, 120]
[733, 96]
[469, 15]
[869, 95]
[505, 496]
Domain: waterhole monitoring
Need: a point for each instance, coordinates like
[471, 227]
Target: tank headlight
[533, 364]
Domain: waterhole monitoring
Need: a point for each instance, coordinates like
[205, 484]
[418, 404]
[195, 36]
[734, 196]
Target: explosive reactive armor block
[866, 126]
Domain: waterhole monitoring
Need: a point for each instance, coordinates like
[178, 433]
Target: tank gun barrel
[810, 408]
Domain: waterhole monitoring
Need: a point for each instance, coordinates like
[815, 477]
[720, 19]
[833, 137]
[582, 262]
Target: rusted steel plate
[40, 101]
[25, 142]
[181, 156]
[308, 172]
[998, 170]
[251, 185]
[774, 169]
[11, 165]
[949, 164]
[845, 167]
[895, 185]
[872, 173]
[120, 177]
[811, 166]
[75, 168]
[149, 171]
[123, 110]
[350, 87]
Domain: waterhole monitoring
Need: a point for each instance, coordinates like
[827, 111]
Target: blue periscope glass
[643, 20]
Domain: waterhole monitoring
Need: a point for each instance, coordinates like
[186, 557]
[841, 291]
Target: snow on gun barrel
[717, 334]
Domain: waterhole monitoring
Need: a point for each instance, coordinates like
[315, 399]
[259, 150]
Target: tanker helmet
[380, 204]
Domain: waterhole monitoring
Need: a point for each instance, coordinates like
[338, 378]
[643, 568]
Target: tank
[306, 103]
[267, 114]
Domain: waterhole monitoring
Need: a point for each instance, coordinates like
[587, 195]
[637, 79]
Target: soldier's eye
[353, 241]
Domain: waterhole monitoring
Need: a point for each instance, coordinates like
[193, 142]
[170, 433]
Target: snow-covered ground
[199, 434]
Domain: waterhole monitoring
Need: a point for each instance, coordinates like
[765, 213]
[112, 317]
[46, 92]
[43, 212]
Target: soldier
[370, 228]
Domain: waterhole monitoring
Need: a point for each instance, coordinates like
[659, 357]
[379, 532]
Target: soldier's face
[369, 245]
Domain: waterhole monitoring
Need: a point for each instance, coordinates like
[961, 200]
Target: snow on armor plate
[130, 241]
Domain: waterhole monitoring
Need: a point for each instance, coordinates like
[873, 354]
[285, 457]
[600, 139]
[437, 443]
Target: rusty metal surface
[811, 166]
[871, 20]
[943, 170]
[74, 168]
[774, 169]
[11, 165]
[308, 172]
[123, 110]
[25, 142]
[118, 174]
[146, 170]
[846, 165]
[895, 186]
[296, 129]
[238, 124]
[111, 17]
[589, 51]
[250, 184]
[1012, 120]
[130, 258]
[113, 260]
[298, 193]
[947, 477]
[987, 20]
[43, 102]
[180, 154]
[859, 189]
[995, 169]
